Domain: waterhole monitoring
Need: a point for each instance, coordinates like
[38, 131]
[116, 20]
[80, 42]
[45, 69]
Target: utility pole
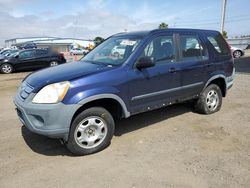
[223, 13]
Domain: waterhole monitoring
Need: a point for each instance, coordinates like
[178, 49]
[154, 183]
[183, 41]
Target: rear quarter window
[219, 44]
[192, 48]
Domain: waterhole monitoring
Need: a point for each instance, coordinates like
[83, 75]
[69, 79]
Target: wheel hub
[90, 132]
[6, 69]
[212, 100]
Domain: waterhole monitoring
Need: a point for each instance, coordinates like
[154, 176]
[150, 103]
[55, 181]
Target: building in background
[243, 43]
[59, 44]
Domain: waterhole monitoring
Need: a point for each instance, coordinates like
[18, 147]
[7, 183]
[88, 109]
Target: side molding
[107, 96]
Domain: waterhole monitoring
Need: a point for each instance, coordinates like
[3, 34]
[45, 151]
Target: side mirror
[144, 62]
[16, 56]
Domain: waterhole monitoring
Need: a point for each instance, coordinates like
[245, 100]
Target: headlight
[52, 93]
[6, 60]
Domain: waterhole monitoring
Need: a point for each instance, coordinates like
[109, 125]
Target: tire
[6, 68]
[91, 131]
[53, 63]
[237, 54]
[210, 100]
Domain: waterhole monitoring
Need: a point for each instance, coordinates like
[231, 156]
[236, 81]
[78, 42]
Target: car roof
[144, 33]
[24, 50]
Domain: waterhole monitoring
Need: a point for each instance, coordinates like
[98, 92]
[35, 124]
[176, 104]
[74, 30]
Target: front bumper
[52, 120]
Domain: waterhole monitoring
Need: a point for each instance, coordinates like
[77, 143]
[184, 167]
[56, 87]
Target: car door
[42, 57]
[26, 60]
[156, 86]
[193, 57]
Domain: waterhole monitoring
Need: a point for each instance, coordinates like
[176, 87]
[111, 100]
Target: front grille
[25, 90]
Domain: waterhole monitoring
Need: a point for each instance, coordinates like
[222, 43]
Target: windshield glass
[14, 54]
[113, 51]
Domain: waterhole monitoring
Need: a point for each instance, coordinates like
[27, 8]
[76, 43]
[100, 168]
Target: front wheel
[6, 68]
[53, 63]
[91, 131]
[210, 100]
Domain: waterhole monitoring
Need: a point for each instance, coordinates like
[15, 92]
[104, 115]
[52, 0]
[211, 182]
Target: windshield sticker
[128, 42]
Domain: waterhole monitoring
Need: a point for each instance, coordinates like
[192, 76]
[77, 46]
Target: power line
[210, 23]
[208, 20]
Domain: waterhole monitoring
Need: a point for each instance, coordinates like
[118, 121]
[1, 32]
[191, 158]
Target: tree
[224, 34]
[98, 40]
[163, 25]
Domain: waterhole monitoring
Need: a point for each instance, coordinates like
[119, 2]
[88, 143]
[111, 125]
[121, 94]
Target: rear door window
[191, 48]
[219, 44]
[41, 52]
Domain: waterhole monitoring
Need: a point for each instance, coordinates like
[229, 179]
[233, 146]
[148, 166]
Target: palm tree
[224, 34]
[163, 25]
[98, 40]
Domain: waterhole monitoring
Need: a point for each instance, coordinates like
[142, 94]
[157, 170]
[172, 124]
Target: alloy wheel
[53, 63]
[6, 68]
[212, 100]
[237, 54]
[90, 132]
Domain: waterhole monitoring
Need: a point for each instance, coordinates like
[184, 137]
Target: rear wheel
[237, 54]
[91, 131]
[6, 68]
[210, 100]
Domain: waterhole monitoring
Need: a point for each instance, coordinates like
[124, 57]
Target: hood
[64, 72]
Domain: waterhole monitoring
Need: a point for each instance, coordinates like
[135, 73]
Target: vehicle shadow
[52, 147]
[143, 120]
[44, 145]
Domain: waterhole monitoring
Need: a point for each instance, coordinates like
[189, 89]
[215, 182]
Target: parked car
[118, 50]
[30, 60]
[28, 46]
[237, 52]
[78, 51]
[78, 102]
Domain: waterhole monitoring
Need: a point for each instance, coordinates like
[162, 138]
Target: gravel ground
[170, 147]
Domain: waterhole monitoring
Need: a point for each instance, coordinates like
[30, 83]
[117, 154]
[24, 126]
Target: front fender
[86, 96]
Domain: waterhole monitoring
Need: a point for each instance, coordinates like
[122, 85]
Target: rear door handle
[172, 70]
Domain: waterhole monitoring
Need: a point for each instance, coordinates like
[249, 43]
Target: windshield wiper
[94, 62]
[102, 63]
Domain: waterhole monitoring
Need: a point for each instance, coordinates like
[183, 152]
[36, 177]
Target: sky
[87, 19]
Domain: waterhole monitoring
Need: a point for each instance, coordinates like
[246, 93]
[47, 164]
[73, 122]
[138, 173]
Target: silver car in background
[237, 52]
[78, 51]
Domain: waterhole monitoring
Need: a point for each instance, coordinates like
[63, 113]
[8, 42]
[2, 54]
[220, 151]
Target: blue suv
[78, 101]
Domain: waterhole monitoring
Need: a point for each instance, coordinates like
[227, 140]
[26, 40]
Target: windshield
[14, 54]
[113, 51]
[5, 52]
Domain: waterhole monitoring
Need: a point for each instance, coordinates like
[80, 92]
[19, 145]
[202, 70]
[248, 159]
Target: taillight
[61, 55]
[229, 47]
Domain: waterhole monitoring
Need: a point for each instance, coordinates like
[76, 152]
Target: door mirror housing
[144, 62]
[17, 56]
